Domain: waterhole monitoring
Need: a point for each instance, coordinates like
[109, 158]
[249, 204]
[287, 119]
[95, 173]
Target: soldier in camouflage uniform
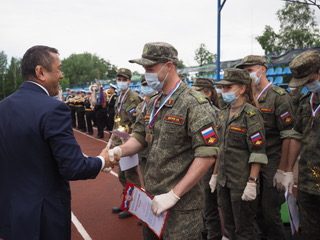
[275, 105]
[147, 93]
[182, 145]
[242, 153]
[125, 116]
[211, 211]
[306, 72]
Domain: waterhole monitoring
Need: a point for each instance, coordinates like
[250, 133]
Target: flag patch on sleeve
[286, 118]
[256, 139]
[209, 136]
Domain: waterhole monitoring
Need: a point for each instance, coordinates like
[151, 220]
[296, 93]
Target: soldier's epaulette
[250, 112]
[199, 97]
[279, 90]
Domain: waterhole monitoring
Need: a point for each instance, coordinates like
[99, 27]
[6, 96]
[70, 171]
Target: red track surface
[92, 201]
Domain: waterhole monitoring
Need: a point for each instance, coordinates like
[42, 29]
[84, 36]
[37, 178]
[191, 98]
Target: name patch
[174, 119]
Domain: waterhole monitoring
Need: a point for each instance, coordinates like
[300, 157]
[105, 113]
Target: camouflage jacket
[183, 130]
[276, 109]
[309, 128]
[242, 142]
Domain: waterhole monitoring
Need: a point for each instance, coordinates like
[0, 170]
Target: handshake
[111, 158]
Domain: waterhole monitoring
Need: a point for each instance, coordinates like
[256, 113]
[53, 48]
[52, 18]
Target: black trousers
[89, 119]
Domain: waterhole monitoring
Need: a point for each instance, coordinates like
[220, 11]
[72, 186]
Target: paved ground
[92, 201]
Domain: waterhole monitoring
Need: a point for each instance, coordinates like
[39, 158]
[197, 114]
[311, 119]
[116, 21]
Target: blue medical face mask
[314, 86]
[147, 91]
[153, 80]
[229, 97]
[122, 85]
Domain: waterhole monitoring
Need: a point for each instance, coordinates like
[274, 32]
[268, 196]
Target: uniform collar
[42, 87]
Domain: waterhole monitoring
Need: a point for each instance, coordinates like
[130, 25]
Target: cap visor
[294, 83]
[224, 82]
[143, 62]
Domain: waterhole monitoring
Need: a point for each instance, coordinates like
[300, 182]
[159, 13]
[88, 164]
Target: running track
[92, 201]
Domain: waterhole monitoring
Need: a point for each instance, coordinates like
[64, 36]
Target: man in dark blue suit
[39, 154]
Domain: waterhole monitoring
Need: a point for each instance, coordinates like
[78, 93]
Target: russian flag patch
[209, 136]
[256, 139]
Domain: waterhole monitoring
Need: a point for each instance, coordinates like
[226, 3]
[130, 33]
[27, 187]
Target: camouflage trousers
[211, 211]
[131, 175]
[238, 216]
[309, 215]
[269, 223]
[181, 225]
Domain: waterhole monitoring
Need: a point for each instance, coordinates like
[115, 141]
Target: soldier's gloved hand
[213, 182]
[163, 202]
[278, 179]
[115, 154]
[250, 192]
[288, 181]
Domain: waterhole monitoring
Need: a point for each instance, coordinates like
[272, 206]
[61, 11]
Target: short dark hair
[36, 55]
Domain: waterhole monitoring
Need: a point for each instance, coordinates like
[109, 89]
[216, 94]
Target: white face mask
[314, 86]
[122, 85]
[218, 90]
[153, 80]
[255, 78]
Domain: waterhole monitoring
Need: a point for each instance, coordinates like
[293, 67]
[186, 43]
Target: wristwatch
[254, 179]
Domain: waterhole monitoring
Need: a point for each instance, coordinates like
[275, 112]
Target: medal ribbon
[155, 113]
[314, 112]
[263, 90]
[122, 100]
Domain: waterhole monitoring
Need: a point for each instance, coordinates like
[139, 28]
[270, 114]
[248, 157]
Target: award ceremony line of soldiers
[218, 156]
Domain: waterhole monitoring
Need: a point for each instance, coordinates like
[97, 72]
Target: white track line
[74, 219]
[79, 227]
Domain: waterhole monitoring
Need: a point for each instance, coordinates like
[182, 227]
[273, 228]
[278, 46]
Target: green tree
[203, 56]
[180, 64]
[13, 77]
[3, 68]
[84, 68]
[298, 29]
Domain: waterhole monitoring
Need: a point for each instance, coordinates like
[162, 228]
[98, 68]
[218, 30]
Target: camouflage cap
[302, 66]
[203, 83]
[157, 52]
[124, 72]
[235, 76]
[252, 60]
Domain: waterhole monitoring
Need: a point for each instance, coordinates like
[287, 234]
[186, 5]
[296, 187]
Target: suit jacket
[38, 156]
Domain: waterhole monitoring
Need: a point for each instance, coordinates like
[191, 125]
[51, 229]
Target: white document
[138, 203]
[126, 163]
[294, 213]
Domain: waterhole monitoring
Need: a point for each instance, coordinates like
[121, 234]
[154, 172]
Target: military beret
[235, 76]
[302, 66]
[203, 83]
[252, 60]
[124, 72]
[157, 52]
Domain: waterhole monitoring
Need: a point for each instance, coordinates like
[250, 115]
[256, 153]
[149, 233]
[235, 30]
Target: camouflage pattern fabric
[157, 52]
[124, 72]
[252, 60]
[179, 135]
[242, 142]
[235, 76]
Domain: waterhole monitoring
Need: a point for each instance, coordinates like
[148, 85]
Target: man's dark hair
[36, 55]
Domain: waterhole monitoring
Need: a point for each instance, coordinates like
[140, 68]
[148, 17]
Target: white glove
[288, 181]
[278, 179]
[116, 151]
[107, 170]
[250, 192]
[213, 182]
[163, 202]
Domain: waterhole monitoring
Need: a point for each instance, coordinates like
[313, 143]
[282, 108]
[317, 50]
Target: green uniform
[125, 116]
[242, 143]
[276, 110]
[177, 136]
[309, 167]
